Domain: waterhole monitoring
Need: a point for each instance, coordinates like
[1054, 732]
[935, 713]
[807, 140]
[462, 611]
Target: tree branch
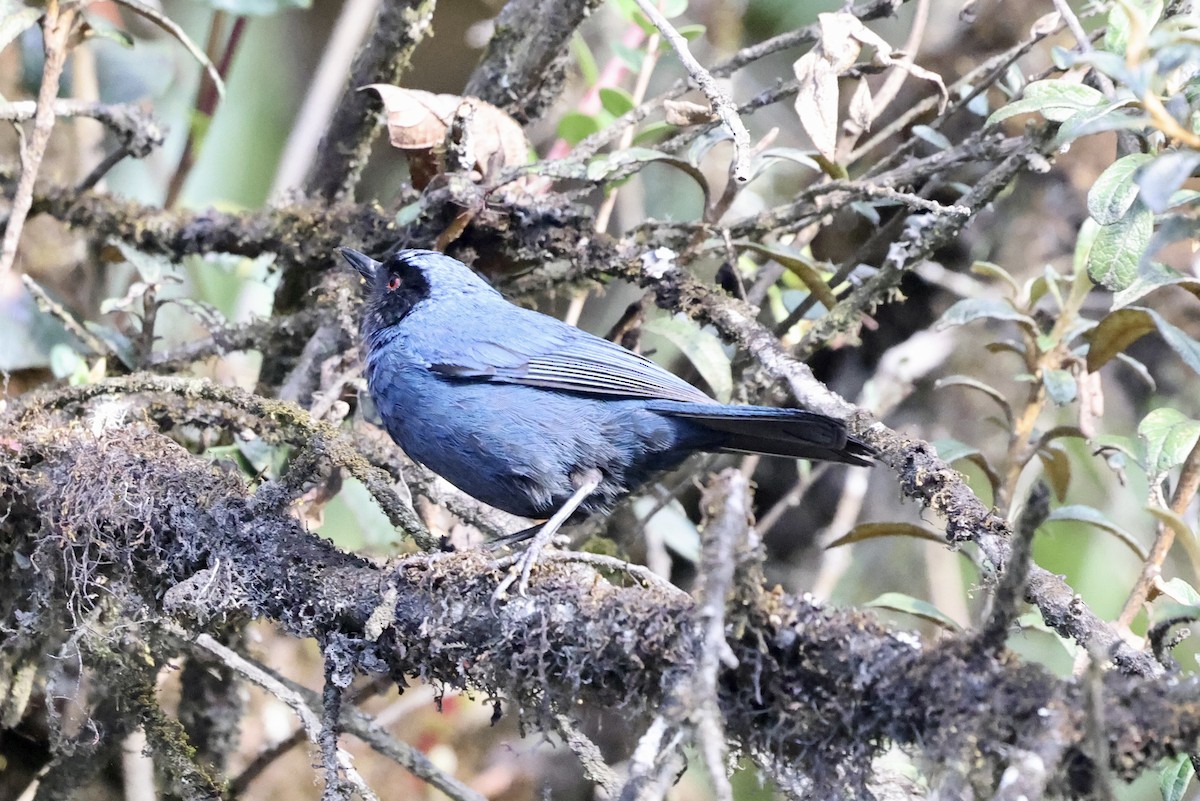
[814, 689]
[522, 69]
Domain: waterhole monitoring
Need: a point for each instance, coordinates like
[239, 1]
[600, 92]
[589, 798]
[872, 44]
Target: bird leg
[585, 485]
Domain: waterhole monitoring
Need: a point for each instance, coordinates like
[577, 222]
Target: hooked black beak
[365, 265]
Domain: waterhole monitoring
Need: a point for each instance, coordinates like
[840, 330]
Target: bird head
[395, 286]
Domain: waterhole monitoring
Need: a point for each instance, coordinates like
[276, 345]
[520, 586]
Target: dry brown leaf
[861, 111]
[685, 112]
[419, 121]
[842, 38]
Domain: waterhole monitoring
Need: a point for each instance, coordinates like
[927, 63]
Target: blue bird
[534, 416]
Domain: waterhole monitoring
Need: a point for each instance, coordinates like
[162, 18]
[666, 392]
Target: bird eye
[394, 283]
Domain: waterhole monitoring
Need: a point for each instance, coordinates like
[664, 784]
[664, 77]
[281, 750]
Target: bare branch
[739, 170]
[522, 70]
[814, 688]
[57, 25]
[399, 27]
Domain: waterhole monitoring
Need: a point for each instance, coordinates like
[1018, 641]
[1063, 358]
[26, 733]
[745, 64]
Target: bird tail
[794, 433]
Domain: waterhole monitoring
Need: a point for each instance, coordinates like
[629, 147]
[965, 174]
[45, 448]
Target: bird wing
[553, 355]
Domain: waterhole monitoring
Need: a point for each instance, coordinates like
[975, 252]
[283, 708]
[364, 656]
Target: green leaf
[1116, 332]
[1110, 117]
[867, 210]
[705, 142]
[353, 520]
[1117, 250]
[870, 531]
[1007, 346]
[971, 309]
[66, 363]
[703, 349]
[1116, 32]
[1058, 469]
[586, 60]
[103, 30]
[1060, 386]
[1115, 190]
[623, 163]
[899, 602]
[1083, 245]
[1179, 340]
[799, 266]
[171, 27]
[1143, 372]
[575, 126]
[1079, 513]
[626, 9]
[1175, 777]
[1111, 64]
[672, 8]
[654, 132]
[801, 157]
[691, 32]
[1181, 591]
[1159, 181]
[992, 270]
[669, 522]
[976, 384]
[631, 57]
[1152, 276]
[1056, 100]
[615, 100]
[1167, 436]
[951, 450]
[1184, 534]
[149, 266]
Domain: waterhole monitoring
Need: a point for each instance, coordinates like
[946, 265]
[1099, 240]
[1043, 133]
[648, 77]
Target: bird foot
[585, 484]
[522, 566]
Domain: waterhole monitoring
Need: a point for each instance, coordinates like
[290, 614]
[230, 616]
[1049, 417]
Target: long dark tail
[774, 432]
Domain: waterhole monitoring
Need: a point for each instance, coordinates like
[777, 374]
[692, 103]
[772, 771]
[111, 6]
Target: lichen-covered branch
[814, 689]
[399, 27]
[522, 70]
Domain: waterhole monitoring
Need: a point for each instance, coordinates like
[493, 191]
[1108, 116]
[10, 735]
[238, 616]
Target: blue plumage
[516, 408]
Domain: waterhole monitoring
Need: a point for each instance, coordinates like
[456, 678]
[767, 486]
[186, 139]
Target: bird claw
[522, 569]
[523, 566]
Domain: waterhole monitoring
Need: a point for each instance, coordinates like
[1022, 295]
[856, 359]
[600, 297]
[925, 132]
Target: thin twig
[722, 105]
[645, 575]
[1010, 592]
[590, 757]
[269, 755]
[1164, 537]
[729, 540]
[912, 45]
[399, 26]
[977, 81]
[1081, 36]
[206, 99]
[323, 91]
[308, 716]
[47, 305]
[653, 762]
[57, 24]
[133, 127]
